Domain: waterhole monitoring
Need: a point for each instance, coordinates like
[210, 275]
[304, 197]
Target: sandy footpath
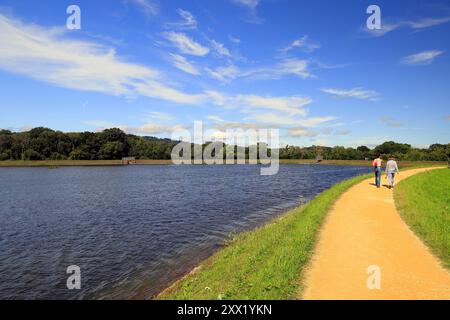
[364, 229]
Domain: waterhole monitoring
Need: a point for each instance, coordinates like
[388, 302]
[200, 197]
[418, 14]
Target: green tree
[113, 150]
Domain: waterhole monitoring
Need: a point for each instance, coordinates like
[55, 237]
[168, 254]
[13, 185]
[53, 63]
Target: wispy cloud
[293, 105]
[49, 55]
[314, 122]
[148, 7]
[421, 58]
[185, 44]
[302, 43]
[290, 120]
[158, 116]
[188, 21]
[295, 67]
[302, 132]
[145, 129]
[252, 4]
[358, 93]
[416, 25]
[183, 64]
[224, 74]
[427, 22]
[286, 67]
[391, 122]
[214, 118]
[233, 39]
[220, 49]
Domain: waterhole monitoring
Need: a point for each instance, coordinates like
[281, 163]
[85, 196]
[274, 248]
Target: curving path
[364, 229]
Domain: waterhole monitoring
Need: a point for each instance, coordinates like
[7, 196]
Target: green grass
[423, 201]
[266, 263]
[402, 164]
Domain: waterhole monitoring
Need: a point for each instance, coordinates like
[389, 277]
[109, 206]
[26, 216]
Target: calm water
[132, 230]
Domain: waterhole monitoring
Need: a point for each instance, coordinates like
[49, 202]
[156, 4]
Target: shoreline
[174, 290]
[100, 163]
[321, 199]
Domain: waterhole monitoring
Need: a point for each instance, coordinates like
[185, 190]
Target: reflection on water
[134, 229]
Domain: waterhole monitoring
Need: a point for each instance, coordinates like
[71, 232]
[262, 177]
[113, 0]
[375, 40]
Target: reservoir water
[133, 230]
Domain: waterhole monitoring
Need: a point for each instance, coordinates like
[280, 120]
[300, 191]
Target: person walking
[377, 164]
[391, 171]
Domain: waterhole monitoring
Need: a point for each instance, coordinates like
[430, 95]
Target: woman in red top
[377, 164]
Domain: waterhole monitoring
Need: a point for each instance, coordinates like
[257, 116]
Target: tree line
[113, 144]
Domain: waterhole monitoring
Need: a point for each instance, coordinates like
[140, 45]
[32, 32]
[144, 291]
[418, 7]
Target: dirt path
[364, 229]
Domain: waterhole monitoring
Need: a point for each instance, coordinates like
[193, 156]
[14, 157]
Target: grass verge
[423, 201]
[263, 264]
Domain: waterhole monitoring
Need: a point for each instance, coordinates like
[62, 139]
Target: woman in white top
[391, 170]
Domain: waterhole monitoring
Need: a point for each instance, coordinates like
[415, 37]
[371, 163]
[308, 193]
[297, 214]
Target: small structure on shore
[319, 158]
[128, 160]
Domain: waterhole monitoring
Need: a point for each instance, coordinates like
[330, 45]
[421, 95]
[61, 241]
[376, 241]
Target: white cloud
[183, 64]
[46, 55]
[421, 58]
[247, 3]
[235, 40]
[185, 44]
[416, 25]
[224, 74]
[188, 21]
[293, 105]
[358, 93]
[427, 22]
[215, 118]
[302, 43]
[385, 29]
[145, 129]
[160, 91]
[147, 6]
[154, 129]
[273, 119]
[302, 132]
[220, 49]
[159, 116]
[295, 67]
[314, 122]
[391, 122]
[49, 55]
[284, 119]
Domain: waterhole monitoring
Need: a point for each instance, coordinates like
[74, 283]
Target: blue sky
[309, 68]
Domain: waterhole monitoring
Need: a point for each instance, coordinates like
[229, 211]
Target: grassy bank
[266, 263]
[68, 163]
[424, 203]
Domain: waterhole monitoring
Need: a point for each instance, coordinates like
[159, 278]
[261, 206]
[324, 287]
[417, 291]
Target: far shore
[87, 163]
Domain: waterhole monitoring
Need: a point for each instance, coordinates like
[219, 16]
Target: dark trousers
[378, 176]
